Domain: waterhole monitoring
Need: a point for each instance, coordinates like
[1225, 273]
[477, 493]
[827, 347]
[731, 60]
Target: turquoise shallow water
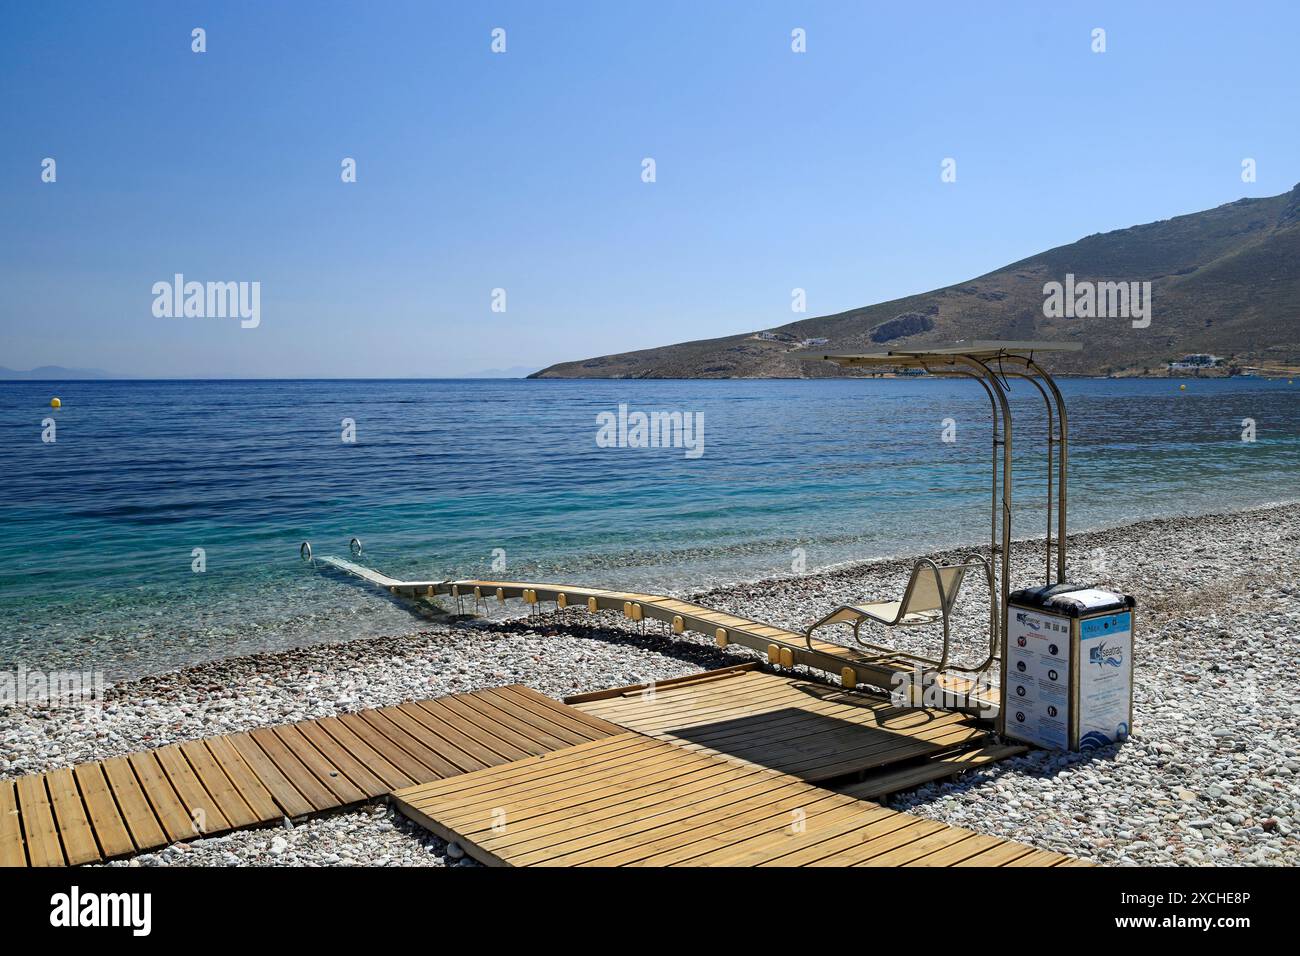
[97, 529]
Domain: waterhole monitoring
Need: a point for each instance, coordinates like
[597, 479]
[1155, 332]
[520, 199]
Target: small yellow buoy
[1182, 388]
[55, 403]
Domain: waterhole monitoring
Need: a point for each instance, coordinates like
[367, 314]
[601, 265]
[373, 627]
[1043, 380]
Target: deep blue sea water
[98, 528]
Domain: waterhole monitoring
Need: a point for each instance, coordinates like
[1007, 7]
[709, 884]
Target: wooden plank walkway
[943, 767]
[634, 800]
[125, 805]
[784, 648]
[803, 728]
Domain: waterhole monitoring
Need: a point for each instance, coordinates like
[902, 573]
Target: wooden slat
[631, 799]
[590, 726]
[821, 748]
[474, 750]
[11, 828]
[524, 777]
[851, 850]
[218, 785]
[413, 768]
[628, 839]
[601, 794]
[394, 778]
[999, 855]
[167, 805]
[288, 798]
[337, 755]
[943, 841]
[460, 705]
[42, 837]
[675, 708]
[417, 730]
[647, 803]
[382, 725]
[831, 832]
[845, 826]
[205, 814]
[334, 779]
[535, 773]
[1037, 858]
[724, 833]
[507, 712]
[757, 697]
[304, 781]
[703, 676]
[251, 788]
[79, 844]
[751, 695]
[960, 851]
[105, 818]
[940, 768]
[438, 711]
[812, 731]
[137, 812]
[662, 699]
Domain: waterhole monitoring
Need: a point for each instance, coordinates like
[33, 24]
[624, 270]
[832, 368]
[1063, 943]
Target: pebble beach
[1211, 775]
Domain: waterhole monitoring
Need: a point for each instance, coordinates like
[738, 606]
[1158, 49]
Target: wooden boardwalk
[634, 800]
[784, 648]
[803, 728]
[125, 805]
[707, 768]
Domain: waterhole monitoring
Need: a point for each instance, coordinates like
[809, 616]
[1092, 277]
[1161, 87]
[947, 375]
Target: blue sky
[522, 170]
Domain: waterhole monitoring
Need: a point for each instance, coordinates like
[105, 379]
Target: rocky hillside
[1224, 281]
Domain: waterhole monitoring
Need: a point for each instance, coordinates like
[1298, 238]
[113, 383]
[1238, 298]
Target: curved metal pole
[993, 598]
[1047, 404]
[998, 390]
[993, 511]
[995, 388]
[1063, 457]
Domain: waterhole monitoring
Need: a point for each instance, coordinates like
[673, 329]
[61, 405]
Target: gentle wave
[98, 529]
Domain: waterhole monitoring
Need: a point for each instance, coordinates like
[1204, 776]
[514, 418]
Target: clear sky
[523, 170]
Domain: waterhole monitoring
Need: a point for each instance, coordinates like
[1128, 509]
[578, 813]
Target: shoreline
[1208, 777]
[1074, 537]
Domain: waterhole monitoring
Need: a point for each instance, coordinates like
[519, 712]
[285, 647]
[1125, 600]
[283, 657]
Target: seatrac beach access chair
[929, 597]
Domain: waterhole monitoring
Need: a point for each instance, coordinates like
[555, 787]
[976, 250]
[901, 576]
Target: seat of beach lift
[931, 592]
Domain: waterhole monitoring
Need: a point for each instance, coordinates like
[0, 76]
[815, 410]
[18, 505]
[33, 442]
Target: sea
[148, 525]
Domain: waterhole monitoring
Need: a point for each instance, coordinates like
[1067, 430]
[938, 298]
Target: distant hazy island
[51, 373]
[1214, 293]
